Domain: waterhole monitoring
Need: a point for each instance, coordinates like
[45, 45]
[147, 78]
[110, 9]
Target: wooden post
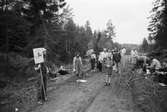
[7, 44]
[42, 83]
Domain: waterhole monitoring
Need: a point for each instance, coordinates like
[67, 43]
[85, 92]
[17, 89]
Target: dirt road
[90, 96]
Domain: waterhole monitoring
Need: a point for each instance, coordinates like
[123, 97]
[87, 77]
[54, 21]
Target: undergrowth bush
[149, 95]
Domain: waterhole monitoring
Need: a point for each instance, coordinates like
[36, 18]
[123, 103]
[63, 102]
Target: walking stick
[42, 83]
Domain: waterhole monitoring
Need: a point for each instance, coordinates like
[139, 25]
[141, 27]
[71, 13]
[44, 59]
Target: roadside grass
[147, 94]
[19, 95]
[22, 93]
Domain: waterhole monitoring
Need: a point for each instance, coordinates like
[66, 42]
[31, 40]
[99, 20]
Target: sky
[128, 16]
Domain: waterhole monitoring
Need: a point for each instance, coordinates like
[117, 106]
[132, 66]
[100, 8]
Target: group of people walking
[107, 61]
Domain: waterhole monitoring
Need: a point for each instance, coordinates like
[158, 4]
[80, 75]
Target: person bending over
[62, 71]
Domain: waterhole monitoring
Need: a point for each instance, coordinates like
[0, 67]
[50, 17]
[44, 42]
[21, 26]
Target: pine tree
[110, 31]
[158, 24]
[144, 46]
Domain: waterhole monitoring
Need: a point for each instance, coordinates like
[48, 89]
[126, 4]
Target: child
[117, 59]
[109, 68]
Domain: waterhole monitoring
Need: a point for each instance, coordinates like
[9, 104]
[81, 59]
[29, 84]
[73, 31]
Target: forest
[49, 24]
[28, 24]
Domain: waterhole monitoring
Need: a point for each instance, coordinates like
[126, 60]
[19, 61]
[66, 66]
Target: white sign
[38, 55]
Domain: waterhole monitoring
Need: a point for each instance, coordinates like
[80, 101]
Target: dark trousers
[93, 61]
[63, 72]
[99, 66]
[42, 89]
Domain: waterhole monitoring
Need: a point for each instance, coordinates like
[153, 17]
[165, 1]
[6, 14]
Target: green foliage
[22, 21]
[104, 39]
[101, 40]
[13, 31]
[76, 39]
[144, 46]
[110, 29]
[26, 24]
[158, 26]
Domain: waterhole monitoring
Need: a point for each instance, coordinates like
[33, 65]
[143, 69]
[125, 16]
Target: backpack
[117, 57]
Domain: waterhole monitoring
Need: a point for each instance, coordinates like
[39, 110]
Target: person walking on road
[117, 59]
[123, 59]
[99, 64]
[104, 55]
[133, 56]
[77, 65]
[93, 62]
[109, 68]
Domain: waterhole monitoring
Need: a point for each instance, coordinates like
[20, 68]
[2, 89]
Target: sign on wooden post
[39, 55]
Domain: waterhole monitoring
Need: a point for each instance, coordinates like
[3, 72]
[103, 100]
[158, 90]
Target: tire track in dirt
[109, 100]
[73, 96]
[91, 96]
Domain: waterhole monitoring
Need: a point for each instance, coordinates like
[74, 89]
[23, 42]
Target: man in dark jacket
[42, 70]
